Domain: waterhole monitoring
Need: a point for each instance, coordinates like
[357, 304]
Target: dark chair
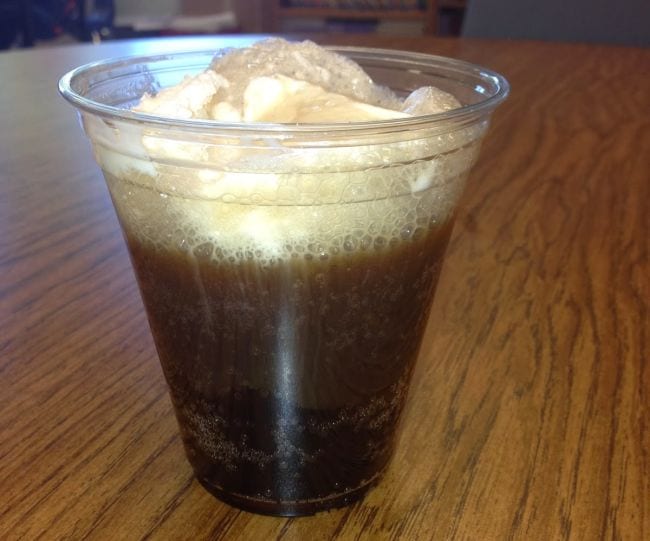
[13, 19]
[597, 21]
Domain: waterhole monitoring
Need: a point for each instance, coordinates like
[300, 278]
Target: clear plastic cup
[287, 270]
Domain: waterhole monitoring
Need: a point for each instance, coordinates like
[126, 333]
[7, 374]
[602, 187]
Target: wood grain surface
[529, 415]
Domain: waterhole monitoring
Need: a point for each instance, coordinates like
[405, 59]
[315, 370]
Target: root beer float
[287, 234]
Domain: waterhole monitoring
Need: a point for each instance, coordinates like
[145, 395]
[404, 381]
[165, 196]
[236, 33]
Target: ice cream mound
[294, 83]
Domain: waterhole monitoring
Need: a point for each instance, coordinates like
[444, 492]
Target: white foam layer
[260, 228]
[303, 61]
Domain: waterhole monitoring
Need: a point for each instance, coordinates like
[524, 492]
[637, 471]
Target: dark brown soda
[288, 377]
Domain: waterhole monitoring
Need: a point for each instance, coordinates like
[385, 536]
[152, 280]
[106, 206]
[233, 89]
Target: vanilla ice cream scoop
[290, 83]
[188, 99]
[287, 100]
[275, 98]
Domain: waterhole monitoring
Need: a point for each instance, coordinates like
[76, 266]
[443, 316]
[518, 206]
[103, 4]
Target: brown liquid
[288, 379]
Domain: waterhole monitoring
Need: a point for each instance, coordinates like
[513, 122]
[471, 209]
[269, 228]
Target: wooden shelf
[341, 13]
[427, 13]
[452, 4]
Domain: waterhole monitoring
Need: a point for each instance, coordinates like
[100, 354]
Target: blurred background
[28, 23]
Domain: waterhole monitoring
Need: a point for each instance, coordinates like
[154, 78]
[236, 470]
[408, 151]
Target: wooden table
[529, 416]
